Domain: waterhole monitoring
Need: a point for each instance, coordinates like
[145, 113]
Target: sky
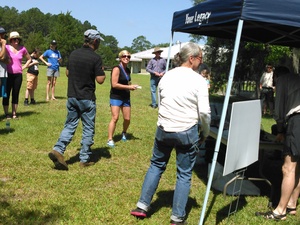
[123, 19]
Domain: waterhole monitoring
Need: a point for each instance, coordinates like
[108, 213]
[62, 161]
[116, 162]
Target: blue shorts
[117, 102]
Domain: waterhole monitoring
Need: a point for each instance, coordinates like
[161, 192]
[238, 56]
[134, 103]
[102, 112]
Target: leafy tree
[108, 57]
[162, 45]
[111, 42]
[140, 44]
[33, 21]
[9, 18]
[128, 49]
[34, 40]
[67, 32]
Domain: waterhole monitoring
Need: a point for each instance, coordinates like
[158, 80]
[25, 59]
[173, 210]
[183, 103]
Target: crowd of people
[12, 54]
[180, 94]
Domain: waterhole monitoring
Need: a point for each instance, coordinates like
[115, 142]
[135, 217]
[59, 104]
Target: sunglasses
[14, 39]
[126, 56]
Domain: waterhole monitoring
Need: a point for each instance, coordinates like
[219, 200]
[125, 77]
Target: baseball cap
[2, 30]
[93, 34]
[53, 42]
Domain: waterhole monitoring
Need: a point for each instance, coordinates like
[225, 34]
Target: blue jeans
[86, 111]
[154, 80]
[185, 145]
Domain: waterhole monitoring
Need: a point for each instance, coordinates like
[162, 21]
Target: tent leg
[223, 117]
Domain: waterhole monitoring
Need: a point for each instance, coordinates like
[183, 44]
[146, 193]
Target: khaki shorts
[32, 81]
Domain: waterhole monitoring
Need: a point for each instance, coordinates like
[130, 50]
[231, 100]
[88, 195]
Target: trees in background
[38, 30]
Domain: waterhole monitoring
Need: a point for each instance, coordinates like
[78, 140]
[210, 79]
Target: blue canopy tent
[274, 22]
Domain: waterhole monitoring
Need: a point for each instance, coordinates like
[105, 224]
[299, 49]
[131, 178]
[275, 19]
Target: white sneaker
[124, 137]
[111, 143]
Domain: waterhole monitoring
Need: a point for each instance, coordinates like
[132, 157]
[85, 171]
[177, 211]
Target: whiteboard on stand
[243, 135]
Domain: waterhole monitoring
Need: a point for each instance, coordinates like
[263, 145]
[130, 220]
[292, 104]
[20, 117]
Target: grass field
[32, 192]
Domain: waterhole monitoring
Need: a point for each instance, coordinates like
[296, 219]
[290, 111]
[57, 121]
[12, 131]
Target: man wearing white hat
[157, 68]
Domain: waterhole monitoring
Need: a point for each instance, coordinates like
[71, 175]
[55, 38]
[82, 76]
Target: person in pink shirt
[16, 53]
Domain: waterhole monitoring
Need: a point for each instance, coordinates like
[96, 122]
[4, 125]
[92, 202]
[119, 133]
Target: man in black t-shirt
[83, 68]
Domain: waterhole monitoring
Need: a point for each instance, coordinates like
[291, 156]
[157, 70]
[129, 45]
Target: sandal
[291, 211]
[273, 216]
[15, 117]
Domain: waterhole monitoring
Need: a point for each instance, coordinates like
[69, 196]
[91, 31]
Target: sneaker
[26, 102]
[124, 136]
[32, 102]
[140, 213]
[178, 223]
[111, 143]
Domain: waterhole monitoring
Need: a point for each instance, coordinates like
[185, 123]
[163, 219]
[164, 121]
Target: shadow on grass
[56, 98]
[20, 115]
[6, 131]
[97, 154]
[228, 211]
[202, 173]
[14, 215]
[165, 199]
[129, 136]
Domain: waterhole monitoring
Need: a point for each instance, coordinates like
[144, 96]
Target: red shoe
[139, 213]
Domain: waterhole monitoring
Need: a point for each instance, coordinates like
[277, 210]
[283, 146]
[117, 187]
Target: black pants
[13, 85]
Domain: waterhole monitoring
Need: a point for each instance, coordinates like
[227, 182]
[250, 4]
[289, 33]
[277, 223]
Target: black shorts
[292, 138]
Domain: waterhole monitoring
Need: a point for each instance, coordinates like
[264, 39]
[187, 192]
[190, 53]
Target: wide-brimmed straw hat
[157, 49]
[14, 34]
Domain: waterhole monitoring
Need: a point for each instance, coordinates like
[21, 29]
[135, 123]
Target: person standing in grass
[3, 62]
[54, 59]
[32, 77]
[83, 68]
[120, 96]
[287, 116]
[16, 53]
[157, 68]
[267, 89]
[183, 103]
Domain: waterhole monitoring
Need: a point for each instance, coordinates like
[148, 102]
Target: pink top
[15, 65]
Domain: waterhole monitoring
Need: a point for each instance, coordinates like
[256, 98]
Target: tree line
[38, 30]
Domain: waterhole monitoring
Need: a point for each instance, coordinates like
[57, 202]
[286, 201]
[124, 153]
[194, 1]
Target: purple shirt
[156, 65]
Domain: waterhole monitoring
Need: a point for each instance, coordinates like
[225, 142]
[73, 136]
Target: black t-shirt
[34, 69]
[83, 65]
[123, 79]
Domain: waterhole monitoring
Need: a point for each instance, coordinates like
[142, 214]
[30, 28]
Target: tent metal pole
[223, 116]
[169, 53]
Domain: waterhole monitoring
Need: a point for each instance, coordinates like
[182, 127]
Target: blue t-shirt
[53, 56]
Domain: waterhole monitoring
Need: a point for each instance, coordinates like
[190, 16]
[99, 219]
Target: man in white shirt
[267, 89]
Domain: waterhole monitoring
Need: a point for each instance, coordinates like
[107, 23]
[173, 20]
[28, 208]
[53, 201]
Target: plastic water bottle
[7, 125]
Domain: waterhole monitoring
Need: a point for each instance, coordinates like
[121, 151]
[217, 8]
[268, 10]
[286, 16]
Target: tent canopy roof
[274, 22]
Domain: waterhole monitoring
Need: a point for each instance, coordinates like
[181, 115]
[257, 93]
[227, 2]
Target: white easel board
[243, 135]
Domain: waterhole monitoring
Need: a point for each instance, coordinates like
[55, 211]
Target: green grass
[31, 192]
